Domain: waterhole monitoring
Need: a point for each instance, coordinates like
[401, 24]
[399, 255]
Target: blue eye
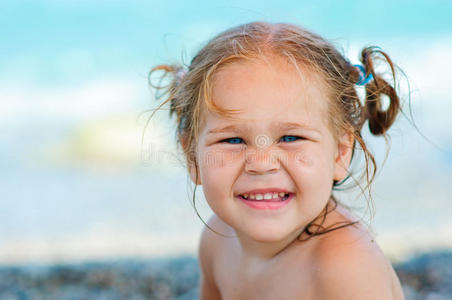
[290, 138]
[234, 140]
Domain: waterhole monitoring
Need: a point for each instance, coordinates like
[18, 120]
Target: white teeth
[268, 196]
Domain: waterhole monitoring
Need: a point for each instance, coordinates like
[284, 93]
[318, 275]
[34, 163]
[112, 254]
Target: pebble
[425, 276]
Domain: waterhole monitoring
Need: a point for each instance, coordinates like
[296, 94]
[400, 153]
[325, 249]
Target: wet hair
[189, 89]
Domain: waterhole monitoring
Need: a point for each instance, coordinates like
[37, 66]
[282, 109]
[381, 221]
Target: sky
[73, 82]
[57, 42]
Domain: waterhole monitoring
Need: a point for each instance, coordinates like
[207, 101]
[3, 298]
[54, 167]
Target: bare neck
[251, 250]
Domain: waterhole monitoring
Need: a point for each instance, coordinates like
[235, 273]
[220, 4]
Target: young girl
[269, 119]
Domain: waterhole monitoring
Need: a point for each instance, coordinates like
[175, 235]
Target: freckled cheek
[303, 159]
[300, 158]
[218, 170]
[307, 161]
[311, 173]
[218, 158]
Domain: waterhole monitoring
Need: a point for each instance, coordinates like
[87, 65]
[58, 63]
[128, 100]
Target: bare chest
[278, 280]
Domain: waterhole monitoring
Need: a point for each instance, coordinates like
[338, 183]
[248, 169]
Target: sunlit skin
[280, 138]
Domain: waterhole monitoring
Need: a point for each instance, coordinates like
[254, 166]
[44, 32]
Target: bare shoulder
[349, 264]
[211, 241]
[209, 248]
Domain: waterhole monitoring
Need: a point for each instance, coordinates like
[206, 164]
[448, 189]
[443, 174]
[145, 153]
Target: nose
[261, 161]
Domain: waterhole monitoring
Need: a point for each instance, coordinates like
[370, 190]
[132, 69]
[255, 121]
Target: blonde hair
[188, 91]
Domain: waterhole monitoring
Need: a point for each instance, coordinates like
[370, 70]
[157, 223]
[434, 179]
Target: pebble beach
[424, 276]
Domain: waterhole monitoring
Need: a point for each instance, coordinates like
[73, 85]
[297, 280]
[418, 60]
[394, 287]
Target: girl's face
[269, 171]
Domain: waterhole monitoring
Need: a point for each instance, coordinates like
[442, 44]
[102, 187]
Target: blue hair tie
[363, 79]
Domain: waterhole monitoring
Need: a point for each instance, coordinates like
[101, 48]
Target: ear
[343, 156]
[193, 171]
[192, 165]
[191, 162]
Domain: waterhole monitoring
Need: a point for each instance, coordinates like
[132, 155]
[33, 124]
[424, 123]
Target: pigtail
[379, 120]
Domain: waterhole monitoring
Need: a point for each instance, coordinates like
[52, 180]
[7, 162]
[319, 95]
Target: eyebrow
[280, 125]
[293, 125]
[228, 128]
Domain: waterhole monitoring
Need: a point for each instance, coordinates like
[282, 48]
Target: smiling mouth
[266, 197]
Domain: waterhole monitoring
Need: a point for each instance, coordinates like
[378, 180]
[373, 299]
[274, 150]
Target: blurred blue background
[76, 183]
